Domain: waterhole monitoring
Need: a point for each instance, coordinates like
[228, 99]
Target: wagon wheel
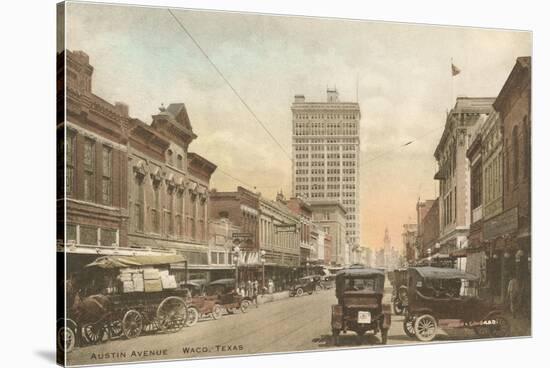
[408, 326]
[66, 335]
[244, 305]
[217, 311]
[94, 333]
[501, 328]
[172, 314]
[151, 326]
[115, 328]
[299, 292]
[192, 316]
[425, 327]
[132, 324]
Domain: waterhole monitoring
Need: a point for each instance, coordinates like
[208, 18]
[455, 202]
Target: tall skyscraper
[325, 152]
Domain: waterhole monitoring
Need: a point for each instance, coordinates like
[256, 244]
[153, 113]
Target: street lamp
[236, 252]
[262, 259]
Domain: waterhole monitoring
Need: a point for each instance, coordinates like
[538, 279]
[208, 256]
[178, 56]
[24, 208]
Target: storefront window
[88, 235]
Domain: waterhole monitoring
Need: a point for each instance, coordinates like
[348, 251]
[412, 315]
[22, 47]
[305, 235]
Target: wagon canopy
[443, 273]
[111, 262]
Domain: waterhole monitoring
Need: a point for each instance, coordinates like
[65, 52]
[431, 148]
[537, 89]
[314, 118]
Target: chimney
[332, 95]
[299, 99]
[122, 109]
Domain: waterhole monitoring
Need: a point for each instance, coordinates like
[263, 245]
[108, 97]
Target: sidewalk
[268, 298]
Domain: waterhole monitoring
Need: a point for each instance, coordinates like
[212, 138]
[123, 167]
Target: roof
[110, 262]
[358, 272]
[443, 273]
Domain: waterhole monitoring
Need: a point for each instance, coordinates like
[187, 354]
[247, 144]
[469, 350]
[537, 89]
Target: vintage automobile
[360, 309]
[224, 293]
[328, 282]
[307, 284]
[399, 280]
[448, 298]
[199, 305]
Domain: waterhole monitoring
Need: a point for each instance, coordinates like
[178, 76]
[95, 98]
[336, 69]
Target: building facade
[325, 155]
[92, 136]
[168, 189]
[454, 174]
[511, 251]
[331, 217]
[409, 237]
[220, 242]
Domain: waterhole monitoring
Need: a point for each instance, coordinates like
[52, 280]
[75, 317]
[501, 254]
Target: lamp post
[262, 259]
[236, 252]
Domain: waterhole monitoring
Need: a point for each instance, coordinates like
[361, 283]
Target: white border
[28, 163]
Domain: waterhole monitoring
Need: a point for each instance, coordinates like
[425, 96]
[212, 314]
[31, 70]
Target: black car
[306, 284]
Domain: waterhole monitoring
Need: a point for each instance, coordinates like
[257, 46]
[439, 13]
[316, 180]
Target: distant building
[325, 152]
[409, 237]
[428, 228]
[331, 217]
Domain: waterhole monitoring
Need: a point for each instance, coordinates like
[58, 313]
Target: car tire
[425, 327]
[502, 327]
[244, 305]
[408, 326]
[217, 311]
[299, 292]
[193, 316]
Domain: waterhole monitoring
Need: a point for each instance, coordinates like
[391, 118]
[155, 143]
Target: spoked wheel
[384, 334]
[192, 316]
[299, 292]
[397, 308]
[425, 327]
[115, 328]
[94, 333]
[132, 324]
[66, 335]
[244, 305]
[408, 325]
[217, 311]
[172, 314]
[501, 328]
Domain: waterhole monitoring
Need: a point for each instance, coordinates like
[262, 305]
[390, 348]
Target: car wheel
[318, 288]
[482, 331]
[244, 306]
[408, 326]
[192, 316]
[217, 311]
[425, 327]
[299, 292]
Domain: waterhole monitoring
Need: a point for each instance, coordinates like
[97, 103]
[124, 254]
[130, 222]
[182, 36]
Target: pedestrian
[513, 296]
[270, 286]
[255, 292]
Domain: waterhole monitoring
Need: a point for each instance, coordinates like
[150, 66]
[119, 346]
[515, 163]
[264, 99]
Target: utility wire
[229, 84]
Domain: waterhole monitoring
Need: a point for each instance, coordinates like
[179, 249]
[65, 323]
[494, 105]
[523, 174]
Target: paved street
[291, 324]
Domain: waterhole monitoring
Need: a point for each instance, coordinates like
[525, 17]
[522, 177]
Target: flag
[454, 69]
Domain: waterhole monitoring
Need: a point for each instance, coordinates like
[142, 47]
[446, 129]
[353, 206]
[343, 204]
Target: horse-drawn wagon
[129, 299]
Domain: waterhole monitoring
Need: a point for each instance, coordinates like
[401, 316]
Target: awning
[110, 262]
[444, 273]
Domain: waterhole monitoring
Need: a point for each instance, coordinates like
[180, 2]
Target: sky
[400, 74]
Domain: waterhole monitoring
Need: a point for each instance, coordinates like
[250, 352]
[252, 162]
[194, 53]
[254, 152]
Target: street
[291, 324]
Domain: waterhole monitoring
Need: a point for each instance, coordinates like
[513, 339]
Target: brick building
[511, 252]
[92, 135]
[330, 215]
[428, 228]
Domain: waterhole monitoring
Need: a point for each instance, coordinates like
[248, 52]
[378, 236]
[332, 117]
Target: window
[71, 232]
[170, 157]
[179, 213]
[139, 206]
[180, 162]
[214, 257]
[89, 170]
[107, 183]
[168, 210]
[515, 154]
[155, 210]
[108, 238]
[476, 186]
[88, 235]
[70, 147]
